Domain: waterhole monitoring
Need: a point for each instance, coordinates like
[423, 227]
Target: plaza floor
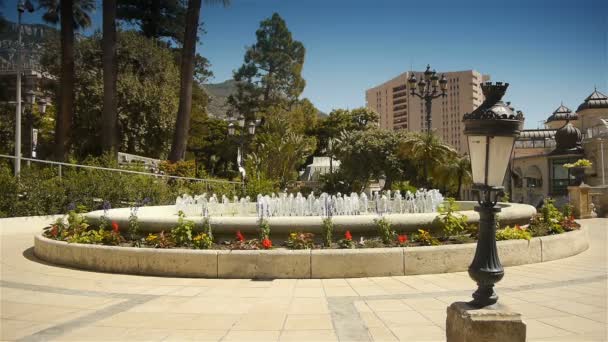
[563, 300]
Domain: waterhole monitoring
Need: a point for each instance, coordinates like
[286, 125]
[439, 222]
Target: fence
[60, 166]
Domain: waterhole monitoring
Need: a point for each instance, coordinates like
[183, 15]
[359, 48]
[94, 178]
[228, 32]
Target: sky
[550, 51]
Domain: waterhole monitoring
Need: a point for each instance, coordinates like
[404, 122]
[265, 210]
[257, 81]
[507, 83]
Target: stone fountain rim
[313, 263]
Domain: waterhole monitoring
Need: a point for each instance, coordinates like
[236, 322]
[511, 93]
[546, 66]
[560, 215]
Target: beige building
[398, 109]
[537, 166]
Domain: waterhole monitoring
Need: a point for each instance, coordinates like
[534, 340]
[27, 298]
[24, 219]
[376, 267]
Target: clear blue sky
[550, 51]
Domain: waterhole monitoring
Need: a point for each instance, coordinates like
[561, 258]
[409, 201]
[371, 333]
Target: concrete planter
[317, 263]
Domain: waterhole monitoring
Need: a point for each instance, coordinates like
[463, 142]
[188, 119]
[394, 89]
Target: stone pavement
[563, 300]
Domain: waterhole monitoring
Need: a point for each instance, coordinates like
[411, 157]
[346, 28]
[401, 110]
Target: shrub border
[315, 263]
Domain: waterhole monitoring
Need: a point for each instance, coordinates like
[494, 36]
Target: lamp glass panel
[477, 150]
[500, 153]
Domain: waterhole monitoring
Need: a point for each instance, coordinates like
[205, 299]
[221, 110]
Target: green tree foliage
[271, 74]
[428, 153]
[147, 86]
[452, 174]
[158, 19]
[208, 142]
[368, 154]
[82, 10]
[341, 120]
[278, 152]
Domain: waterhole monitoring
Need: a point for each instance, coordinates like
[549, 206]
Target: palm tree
[109, 116]
[455, 172]
[428, 150]
[73, 15]
[180, 136]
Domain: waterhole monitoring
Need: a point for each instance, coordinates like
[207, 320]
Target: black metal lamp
[251, 127]
[434, 80]
[427, 90]
[42, 103]
[491, 131]
[231, 129]
[428, 73]
[30, 97]
[443, 83]
[412, 81]
[241, 121]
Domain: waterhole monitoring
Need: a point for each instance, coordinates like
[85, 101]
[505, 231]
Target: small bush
[300, 240]
[264, 229]
[385, 230]
[515, 233]
[425, 238]
[202, 241]
[328, 231]
[451, 223]
[182, 233]
[347, 242]
[160, 240]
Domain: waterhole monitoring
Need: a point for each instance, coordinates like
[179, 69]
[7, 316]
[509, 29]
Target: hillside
[218, 95]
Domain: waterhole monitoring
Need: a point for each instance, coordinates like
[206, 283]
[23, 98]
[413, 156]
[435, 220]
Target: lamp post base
[497, 323]
[486, 269]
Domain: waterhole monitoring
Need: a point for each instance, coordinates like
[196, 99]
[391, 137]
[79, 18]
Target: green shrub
[40, 191]
[548, 221]
[202, 241]
[328, 230]
[207, 228]
[424, 238]
[300, 240]
[515, 233]
[450, 222]
[264, 229]
[160, 240]
[385, 230]
[182, 233]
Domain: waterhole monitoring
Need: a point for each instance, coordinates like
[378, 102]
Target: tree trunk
[182, 123]
[66, 101]
[109, 133]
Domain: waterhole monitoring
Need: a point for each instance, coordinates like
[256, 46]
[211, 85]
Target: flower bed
[455, 230]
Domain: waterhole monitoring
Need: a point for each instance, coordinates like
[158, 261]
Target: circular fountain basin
[158, 218]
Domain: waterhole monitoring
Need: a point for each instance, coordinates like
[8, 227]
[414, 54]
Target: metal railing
[60, 166]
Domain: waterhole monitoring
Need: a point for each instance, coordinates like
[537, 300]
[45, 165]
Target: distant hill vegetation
[218, 98]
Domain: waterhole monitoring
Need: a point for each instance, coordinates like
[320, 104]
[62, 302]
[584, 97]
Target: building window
[560, 176]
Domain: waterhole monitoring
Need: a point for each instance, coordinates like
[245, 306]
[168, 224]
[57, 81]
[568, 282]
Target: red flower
[54, 231]
[267, 243]
[115, 227]
[239, 236]
[348, 236]
[402, 238]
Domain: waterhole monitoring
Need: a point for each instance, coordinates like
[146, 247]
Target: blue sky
[549, 51]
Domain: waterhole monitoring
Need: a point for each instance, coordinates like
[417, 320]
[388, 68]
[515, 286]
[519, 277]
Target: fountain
[423, 201]
[287, 213]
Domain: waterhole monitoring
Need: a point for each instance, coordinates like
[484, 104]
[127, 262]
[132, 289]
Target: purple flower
[71, 206]
[106, 206]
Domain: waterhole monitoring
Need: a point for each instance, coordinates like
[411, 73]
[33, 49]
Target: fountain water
[422, 201]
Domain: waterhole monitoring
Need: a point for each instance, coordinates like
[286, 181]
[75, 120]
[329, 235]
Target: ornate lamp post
[491, 130]
[22, 6]
[428, 90]
[246, 129]
[30, 100]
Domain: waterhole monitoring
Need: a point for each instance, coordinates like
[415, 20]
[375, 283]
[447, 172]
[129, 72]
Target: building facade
[537, 169]
[400, 110]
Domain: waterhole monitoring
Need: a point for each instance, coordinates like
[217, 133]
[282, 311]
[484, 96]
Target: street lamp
[30, 99]
[428, 90]
[42, 103]
[491, 130]
[22, 6]
[245, 129]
